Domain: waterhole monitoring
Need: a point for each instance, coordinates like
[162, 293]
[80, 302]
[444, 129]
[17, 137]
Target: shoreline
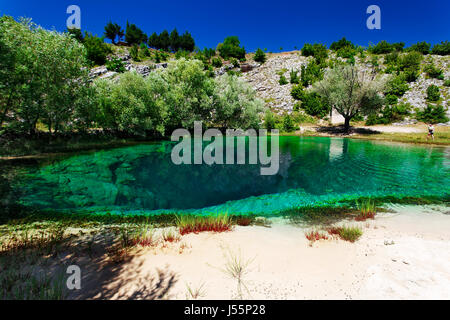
[402, 255]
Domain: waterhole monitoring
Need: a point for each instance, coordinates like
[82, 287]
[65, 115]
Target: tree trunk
[347, 125]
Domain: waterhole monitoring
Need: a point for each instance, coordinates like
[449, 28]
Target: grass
[351, 234]
[237, 267]
[367, 209]
[195, 293]
[195, 224]
[441, 137]
[170, 236]
[315, 235]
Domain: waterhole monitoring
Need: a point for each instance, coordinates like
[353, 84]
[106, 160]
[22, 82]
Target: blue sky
[271, 24]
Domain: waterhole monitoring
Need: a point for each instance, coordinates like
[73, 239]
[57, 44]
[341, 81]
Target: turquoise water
[314, 171]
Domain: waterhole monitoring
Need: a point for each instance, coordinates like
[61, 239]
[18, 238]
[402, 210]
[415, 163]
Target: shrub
[391, 58]
[293, 77]
[442, 49]
[134, 52]
[434, 72]
[115, 64]
[97, 50]
[447, 83]
[433, 93]
[230, 48]
[317, 50]
[234, 62]
[391, 99]
[432, 114]
[396, 86]
[283, 80]
[260, 56]
[346, 52]
[350, 233]
[410, 61]
[383, 47]
[288, 124]
[422, 47]
[269, 120]
[389, 114]
[311, 73]
[216, 62]
[343, 43]
[312, 103]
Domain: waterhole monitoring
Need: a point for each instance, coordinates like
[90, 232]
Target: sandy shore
[401, 255]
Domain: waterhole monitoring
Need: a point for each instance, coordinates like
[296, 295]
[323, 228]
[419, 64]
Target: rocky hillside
[264, 78]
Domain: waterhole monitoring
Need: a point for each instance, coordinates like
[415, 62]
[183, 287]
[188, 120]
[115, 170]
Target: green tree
[230, 48]
[343, 43]
[433, 93]
[97, 50]
[49, 91]
[134, 35]
[442, 48]
[422, 47]
[164, 40]
[269, 120]
[350, 91]
[175, 41]
[112, 31]
[153, 41]
[259, 56]
[432, 114]
[288, 124]
[187, 42]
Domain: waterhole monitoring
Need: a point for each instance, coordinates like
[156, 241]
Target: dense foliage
[231, 48]
[259, 56]
[351, 91]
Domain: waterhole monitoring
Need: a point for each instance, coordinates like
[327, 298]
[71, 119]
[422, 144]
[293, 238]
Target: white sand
[403, 255]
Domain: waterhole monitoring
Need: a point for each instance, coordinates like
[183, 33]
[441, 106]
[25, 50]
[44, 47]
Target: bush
[434, 72]
[433, 93]
[432, 114]
[311, 73]
[216, 62]
[269, 120]
[391, 99]
[230, 48]
[343, 43]
[447, 83]
[442, 49]
[115, 64]
[422, 47]
[97, 50]
[288, 124]
[134, 52]
[293, 77]
[283, 80]
[317, 50]
[260, 56]
[235, 62]
[410, 61]
[396, 86]
[384, 47]
[389, 114]
[346, 52]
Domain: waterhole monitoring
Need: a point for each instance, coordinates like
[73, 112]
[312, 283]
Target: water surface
[314, 171]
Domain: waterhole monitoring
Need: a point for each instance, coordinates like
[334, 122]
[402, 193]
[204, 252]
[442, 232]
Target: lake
[313, 171]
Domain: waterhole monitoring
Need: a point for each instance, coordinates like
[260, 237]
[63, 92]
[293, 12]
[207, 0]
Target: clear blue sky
[271, 24]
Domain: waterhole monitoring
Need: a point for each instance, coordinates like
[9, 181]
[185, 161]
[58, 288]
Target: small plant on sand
[170, 236]
[367, 209]
[237, 267]
[244, 220]
[144, 236]
[350, 233]
[195, 293]
[195, 224]
[314, 235]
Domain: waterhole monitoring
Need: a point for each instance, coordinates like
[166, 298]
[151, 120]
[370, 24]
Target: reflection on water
[312, 171]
